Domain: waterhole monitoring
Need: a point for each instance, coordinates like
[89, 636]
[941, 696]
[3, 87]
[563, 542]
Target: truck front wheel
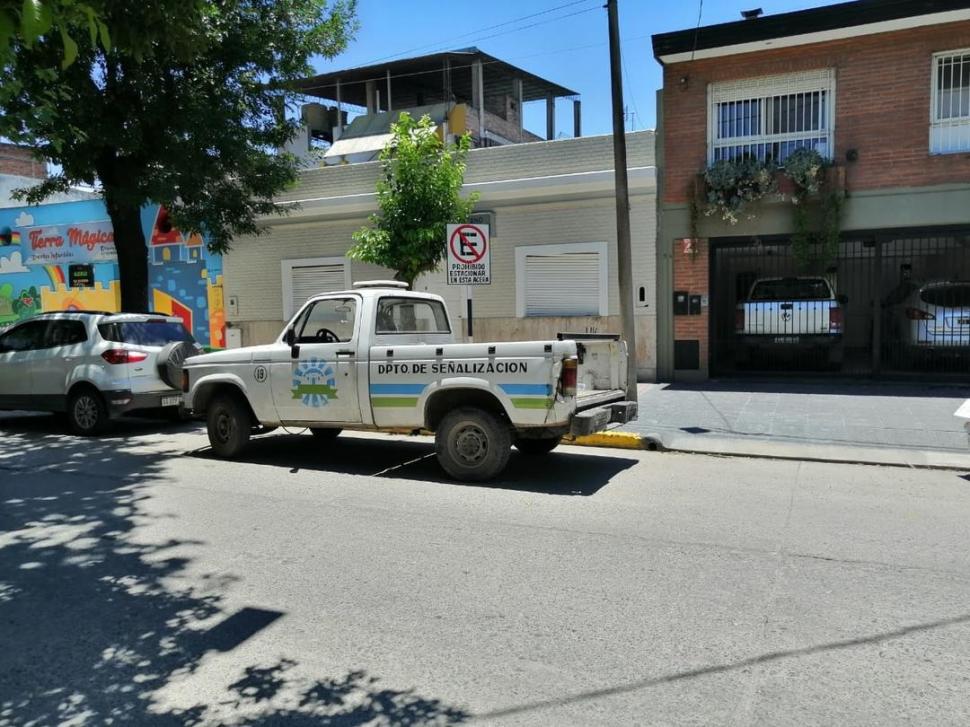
[229, 426]
[535, 447]
[472, 444]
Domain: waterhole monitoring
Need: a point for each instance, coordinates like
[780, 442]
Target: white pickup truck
[380, 357]
[796, 315]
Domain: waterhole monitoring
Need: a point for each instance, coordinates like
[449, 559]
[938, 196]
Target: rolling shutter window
[562, 285]
[309, 280]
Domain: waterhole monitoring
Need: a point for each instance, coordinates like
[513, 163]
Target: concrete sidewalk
[878, 423]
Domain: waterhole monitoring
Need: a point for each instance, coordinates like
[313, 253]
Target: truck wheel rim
[225, 427]
[86, 412]
[471, 445]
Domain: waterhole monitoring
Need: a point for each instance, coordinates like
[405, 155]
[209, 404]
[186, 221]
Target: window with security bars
[768, 118]
[950, 103]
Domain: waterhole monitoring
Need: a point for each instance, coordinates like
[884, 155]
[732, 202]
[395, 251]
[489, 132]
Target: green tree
[26, 21]
[418, 194]
[185, 106]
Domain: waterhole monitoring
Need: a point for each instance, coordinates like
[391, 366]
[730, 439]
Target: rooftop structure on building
[815, 25]
[462, 91]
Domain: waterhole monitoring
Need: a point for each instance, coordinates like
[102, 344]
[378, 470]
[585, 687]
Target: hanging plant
[817, 205]
[734, 184]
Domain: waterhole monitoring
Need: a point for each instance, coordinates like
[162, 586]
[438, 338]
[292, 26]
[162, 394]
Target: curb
[754, 449]
[617, 440]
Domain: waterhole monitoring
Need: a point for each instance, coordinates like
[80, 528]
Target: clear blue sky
[568, 46]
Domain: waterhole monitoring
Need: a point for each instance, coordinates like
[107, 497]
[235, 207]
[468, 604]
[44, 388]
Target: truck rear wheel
[472, 444]
[535, 447]
[229, 426]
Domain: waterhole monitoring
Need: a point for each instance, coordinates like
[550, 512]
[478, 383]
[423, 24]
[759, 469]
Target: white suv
[94, 366]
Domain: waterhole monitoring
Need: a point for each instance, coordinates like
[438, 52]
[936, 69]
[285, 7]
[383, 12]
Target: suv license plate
[787, 339]
[171, 400]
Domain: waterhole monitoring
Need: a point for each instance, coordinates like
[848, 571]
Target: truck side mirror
[289, 338]
[842, 298]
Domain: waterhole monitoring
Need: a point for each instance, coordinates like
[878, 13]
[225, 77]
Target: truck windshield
[411, 315]
[791, 289]
[145, 333]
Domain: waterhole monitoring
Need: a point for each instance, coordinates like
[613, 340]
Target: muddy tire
[87, 412]
[537, 447]
[324, 434]
[229, 425]
[473, 445]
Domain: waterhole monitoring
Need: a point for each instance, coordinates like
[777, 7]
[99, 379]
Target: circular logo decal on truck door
[314, 382]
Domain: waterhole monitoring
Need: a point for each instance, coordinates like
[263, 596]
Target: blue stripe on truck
[396, 389]
[526, 389]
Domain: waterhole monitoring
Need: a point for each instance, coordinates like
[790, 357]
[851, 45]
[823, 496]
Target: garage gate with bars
[902, 300]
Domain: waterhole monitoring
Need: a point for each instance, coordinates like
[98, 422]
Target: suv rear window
[145, 333]
[792, 289]
[947, 296]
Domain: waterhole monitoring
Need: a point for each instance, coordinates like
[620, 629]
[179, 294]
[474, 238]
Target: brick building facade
[881, 89]
[19, 161]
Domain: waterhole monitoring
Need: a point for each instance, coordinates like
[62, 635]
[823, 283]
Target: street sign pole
[469, 258]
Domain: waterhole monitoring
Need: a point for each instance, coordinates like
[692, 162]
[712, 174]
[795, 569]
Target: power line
[485, 29]
[633, 95]
[697, 28]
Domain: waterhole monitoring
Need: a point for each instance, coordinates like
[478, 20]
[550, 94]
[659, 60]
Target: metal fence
[888, 303]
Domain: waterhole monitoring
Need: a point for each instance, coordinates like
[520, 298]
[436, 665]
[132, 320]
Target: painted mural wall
[62, 257]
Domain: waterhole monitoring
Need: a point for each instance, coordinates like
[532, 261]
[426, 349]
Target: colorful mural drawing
[37, 245]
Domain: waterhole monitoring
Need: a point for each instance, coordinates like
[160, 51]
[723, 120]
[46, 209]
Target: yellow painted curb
[615, 440]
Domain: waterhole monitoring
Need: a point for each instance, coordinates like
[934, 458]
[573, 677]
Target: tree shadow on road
[562, 472]
[94, 624]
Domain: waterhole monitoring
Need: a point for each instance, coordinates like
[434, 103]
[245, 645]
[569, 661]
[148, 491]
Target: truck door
[321, 384]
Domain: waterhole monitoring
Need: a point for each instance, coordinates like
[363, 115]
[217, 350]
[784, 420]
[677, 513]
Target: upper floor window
[950, 103]
[770, 117]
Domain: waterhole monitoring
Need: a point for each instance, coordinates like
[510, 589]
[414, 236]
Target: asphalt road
[144, 582]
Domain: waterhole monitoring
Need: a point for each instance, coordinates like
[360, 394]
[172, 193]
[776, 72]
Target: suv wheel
[87, 414]
[472, 444]
[229, 426]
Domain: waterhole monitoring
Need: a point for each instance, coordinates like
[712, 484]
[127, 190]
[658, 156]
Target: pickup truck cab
[380, 357]
[795, 315]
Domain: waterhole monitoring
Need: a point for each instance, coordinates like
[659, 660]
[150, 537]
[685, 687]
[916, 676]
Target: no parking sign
[469, 255]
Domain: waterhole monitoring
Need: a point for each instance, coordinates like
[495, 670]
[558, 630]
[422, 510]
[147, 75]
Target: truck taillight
[185, 381]
[123, 356]
[739, 320]
[835, 319]
[915, 314]
[567, 380]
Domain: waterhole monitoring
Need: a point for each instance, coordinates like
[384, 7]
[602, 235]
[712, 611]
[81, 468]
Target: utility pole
[624, 258]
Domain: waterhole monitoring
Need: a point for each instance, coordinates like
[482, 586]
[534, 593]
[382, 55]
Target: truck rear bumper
[598, 418]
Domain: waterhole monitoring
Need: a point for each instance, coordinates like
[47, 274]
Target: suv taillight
[835, 319]
[185, 381]
[567, 380]
[915, 314]
[123, 356]
[739, 320]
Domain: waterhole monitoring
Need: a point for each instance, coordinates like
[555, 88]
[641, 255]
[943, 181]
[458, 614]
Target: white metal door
[321, 384]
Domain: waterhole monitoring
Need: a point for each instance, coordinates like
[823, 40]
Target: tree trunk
[132, 253]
